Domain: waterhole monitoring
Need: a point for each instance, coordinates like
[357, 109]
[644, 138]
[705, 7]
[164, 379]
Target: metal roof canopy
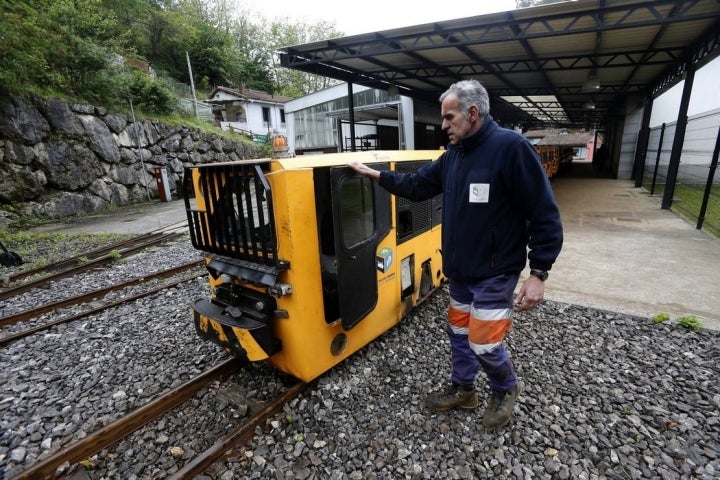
[536, 63]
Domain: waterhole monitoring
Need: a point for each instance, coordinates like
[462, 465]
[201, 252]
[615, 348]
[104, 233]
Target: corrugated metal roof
[250, 94]
[534, 62]
[568, 139]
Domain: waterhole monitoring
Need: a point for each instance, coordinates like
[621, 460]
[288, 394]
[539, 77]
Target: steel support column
[678, 140]
[709, 185]
[657, 159]
[351, 116]
[642, 144]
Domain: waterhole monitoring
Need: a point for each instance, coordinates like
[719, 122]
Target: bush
[150, 95]
[661, 317]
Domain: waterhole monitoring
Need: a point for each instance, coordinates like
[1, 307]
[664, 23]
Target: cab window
[357, 211]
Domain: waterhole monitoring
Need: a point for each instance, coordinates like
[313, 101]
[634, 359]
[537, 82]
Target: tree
[285, 32]
[22, 47]
[90, 49]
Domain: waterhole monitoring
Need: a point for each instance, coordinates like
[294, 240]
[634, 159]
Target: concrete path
[623, 253]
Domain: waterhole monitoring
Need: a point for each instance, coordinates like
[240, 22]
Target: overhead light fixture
[589, 105]
[393, 89]
[592, 84]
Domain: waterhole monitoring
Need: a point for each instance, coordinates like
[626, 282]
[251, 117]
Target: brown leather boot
[455, 396]
[500, 405]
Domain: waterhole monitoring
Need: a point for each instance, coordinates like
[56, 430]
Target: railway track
[123, 427]
[91, 296]
[111, 434]
[78, 264]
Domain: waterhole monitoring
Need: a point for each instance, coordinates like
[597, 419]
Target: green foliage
[22, 48]
[115, 255]
[99, 50]
[690, 322]
[286, 32]
[150, 95]
[661, 317]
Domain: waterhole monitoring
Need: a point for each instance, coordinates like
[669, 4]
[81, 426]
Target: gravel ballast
[606, 396]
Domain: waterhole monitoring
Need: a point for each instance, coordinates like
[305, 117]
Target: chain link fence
[696, 193]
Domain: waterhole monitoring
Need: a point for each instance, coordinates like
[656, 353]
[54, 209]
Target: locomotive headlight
[405, 273]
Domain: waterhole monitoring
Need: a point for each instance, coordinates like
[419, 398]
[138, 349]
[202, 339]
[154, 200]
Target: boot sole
[445, 409]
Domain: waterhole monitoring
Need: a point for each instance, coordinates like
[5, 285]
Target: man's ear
[473, 112]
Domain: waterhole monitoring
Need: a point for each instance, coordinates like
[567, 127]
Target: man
[499, 211]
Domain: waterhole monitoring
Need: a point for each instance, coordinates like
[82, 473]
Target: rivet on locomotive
[308, 262]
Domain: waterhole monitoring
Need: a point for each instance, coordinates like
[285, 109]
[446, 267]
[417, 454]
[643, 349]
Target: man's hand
[530, 294]
[364, 170]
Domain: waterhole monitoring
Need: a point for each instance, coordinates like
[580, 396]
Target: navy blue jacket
[497, 202]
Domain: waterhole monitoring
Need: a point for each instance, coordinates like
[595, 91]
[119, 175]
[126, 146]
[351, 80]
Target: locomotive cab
[307, 260]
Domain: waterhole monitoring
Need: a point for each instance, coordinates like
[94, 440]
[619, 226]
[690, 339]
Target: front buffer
[240, 324]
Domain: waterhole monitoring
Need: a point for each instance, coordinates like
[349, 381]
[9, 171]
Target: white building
[248, 111]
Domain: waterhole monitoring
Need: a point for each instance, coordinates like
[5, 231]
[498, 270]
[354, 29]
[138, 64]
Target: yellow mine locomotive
[309, 261]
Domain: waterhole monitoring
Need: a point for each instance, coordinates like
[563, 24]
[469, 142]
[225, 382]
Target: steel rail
[41, 282]
[72, 261]
[239, 436]
[34, 312]
[121, 428]
[30, 331]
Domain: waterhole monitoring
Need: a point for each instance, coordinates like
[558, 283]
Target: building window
[266, 116]
[282, 116]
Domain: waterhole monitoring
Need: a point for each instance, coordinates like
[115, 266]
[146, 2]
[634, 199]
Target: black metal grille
[238, 220]
[414, 218]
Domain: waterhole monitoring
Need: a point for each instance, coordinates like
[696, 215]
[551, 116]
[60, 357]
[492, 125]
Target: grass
[690, 322]
[687, 200]
[40, 248]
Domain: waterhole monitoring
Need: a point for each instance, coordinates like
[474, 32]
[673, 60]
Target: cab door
[361, 217]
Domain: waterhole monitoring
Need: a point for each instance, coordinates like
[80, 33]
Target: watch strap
[541, 274]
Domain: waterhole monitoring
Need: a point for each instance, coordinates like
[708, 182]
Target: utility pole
[192, 84]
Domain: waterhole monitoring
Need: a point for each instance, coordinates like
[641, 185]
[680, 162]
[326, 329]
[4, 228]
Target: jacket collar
[469, 143]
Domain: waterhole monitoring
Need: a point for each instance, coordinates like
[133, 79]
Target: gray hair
[469, 92]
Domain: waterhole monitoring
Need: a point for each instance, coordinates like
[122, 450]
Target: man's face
[455, 122]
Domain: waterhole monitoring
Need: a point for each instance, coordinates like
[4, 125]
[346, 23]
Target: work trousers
[479, 317]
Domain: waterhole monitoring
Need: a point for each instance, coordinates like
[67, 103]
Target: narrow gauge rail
[73, 269]
[121, 428]
[72, 261]
[85, 297]
[240, 436]
[29, 314]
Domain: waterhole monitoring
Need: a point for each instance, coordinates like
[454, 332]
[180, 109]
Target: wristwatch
[541, 274]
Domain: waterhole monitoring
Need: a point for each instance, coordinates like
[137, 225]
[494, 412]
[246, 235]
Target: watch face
[542, 275]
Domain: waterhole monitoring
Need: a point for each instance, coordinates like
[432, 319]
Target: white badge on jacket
[479, 192]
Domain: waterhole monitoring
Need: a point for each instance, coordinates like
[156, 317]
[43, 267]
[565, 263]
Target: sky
[365, 16]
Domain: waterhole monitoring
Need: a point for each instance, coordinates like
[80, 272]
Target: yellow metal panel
[253, 351]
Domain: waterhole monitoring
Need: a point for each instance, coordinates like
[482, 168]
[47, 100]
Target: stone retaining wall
[59, 159]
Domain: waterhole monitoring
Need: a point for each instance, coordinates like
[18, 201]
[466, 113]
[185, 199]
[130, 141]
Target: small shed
[581, 142]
